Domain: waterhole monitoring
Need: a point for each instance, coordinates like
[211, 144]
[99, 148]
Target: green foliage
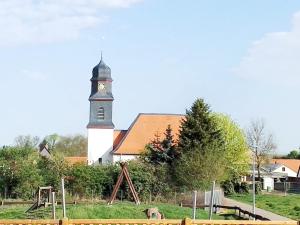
[71, 145]
[197, 168]
[258, 187]
[19, 173]
[202, 149]
[199, 128]
[293, 155]
[228, 187]
[161, 151]
[236, 149]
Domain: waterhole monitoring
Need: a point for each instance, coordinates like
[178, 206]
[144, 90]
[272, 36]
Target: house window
[283, 169]
[100, 113]
[100, 161]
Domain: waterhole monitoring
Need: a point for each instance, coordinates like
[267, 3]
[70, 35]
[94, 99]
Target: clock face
[101, 86]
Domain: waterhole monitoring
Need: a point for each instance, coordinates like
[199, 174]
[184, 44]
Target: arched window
[100, 113]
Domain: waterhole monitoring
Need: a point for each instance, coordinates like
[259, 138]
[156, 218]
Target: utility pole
[63, 197]
[253, 183]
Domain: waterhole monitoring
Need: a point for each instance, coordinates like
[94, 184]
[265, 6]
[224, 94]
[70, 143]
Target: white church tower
[100, 127]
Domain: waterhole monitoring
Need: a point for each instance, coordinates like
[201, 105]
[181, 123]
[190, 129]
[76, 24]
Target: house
[290, 166]
[107, 144]
[269, 174]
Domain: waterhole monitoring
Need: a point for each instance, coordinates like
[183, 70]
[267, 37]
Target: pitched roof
[143, 129]
[118, 136]
[293, 164]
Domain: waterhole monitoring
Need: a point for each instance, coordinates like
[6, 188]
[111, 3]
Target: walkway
[261, 212]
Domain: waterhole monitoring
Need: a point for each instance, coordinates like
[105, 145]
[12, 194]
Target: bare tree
[261, 142]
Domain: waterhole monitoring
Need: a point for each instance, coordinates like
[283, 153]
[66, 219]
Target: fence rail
[186, 221]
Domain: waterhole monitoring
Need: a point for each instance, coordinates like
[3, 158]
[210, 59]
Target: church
[107, 144]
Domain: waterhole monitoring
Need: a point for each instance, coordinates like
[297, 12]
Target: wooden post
[53, 205]
[186, 221]
[65, 221]
[194, 204]
[212, 199]
[63, 197]
[39, 197]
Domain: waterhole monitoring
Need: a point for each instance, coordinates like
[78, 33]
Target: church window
[100, 113]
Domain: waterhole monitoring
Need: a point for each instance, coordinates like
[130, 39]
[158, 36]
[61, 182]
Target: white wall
[118, 158]
[268, 182]
[100, 144]
[289, 172]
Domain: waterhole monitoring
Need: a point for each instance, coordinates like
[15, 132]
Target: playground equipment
[124, 173]
[43, 198]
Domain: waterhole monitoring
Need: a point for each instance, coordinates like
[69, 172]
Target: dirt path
[261, 212]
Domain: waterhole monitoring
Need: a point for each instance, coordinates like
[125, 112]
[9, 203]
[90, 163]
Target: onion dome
[101, 71]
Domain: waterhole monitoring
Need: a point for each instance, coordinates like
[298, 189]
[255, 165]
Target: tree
[197, 168]
[198, 129]
[51, 141]
[161, 151]
[202, 148]
[71, 145]
[294, 154]
[236, 148]
[260, 142]
[27, 141]
[19, 174]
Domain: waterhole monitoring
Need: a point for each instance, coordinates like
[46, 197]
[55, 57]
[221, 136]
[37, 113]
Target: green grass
[288, 206]
[124, 210]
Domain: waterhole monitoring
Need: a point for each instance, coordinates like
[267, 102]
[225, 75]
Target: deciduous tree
[260, 142]
[237, 153]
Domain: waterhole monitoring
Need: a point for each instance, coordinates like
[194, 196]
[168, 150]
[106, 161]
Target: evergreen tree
[198, 129]
[161, 151]
[201, 147]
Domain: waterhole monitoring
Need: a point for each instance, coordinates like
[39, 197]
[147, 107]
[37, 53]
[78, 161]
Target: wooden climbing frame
[124, 173]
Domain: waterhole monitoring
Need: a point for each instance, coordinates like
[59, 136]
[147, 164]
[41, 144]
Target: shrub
[228, 187]
[244, 187]
[258, 188]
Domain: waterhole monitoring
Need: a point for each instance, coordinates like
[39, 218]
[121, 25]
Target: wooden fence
[186, 221]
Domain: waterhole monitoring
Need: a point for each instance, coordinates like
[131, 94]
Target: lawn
[288, 206]
[124, 210]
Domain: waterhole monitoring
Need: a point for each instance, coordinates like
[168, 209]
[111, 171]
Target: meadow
[288, 206]
[121, 210]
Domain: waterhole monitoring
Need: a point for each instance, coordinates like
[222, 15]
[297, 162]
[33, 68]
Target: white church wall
[100, 144]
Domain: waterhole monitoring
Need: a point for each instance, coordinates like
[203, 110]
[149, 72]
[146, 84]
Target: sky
[242, 57]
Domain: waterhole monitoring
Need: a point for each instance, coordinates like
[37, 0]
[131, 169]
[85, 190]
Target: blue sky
[240, 56]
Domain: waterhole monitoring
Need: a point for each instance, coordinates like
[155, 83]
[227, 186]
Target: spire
[101, 55]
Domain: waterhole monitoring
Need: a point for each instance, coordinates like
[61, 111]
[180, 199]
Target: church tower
[100, 127]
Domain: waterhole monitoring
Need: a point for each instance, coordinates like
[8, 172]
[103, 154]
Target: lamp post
[253, 182]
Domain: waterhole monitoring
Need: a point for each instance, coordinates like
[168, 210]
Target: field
[125, 210]
[288, 206]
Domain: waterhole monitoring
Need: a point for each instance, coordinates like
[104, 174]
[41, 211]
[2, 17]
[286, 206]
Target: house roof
[143, 130]
[76, 160]
[293, 164]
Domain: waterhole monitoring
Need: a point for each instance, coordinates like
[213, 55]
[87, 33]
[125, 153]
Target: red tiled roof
[118, 136]
[293, 164]
[143, 129]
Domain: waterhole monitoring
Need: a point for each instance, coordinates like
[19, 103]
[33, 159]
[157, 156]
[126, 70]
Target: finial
[101, 55]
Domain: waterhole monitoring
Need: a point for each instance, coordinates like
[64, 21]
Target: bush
[258, 188]
[228, 187]
[244, 188]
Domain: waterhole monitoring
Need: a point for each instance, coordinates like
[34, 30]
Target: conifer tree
[198, 129]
